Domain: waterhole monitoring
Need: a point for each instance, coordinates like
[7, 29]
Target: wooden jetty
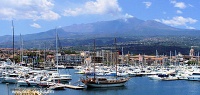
[72, 86]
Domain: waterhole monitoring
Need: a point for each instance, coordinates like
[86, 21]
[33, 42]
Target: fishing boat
[102, 82]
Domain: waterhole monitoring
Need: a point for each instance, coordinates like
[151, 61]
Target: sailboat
[57, 76]
[10, 77]
[102, 82]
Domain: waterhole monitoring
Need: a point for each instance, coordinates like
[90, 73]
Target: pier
[72, 86]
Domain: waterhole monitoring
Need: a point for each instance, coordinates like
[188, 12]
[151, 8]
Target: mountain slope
[120, 27]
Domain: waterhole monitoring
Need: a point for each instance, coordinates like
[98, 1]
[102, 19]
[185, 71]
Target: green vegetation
[192, 63]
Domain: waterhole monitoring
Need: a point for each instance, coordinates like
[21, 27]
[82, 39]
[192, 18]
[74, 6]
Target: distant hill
[115, 28]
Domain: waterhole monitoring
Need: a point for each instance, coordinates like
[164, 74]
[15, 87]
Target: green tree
[191, 62]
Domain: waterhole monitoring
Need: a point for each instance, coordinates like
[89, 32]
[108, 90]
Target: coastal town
[47, 58]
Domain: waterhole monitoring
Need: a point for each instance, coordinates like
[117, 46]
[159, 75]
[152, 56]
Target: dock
[73, 86]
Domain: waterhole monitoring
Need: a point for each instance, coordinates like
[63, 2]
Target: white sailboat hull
[9, 80]
[154, 77]
[194, 78]
[27, 83]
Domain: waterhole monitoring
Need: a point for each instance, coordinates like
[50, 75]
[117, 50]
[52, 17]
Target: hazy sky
[33, 16]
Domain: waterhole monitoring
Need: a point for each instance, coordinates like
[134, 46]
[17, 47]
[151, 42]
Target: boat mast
[94, 57]
[56, 49]
[44, 51]
[122, 60]
[170, 57]
[116, 59]
[13, 42]
[198, 59]
[21, 48]
[156, 57]
[45, 55]
[175, 58]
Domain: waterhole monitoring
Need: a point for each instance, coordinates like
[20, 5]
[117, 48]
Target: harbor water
[135, 86]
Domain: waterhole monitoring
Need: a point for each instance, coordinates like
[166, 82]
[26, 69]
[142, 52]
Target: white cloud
[180, 5]
[128, 16]
[157, 20]
[190, 5]
[173, 1]
[95, 7]
[7, 13]
[27, 9]
[189, 27]
[179, 12]
[147, 4]
[179, 21]
[73, 12]
[35, 25]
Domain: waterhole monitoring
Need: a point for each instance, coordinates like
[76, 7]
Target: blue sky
[33, 16]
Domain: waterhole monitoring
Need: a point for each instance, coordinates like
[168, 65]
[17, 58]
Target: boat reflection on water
[106, 89]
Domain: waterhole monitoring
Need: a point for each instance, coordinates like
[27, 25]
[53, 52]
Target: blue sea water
[135, 86]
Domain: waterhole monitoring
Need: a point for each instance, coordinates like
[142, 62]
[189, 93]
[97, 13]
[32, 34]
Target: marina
[94, 77]
[99, 47]
[136, 85]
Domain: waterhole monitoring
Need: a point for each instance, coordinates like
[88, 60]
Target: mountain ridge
[113, 28]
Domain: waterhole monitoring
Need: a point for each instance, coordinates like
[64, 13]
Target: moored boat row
[24, 76]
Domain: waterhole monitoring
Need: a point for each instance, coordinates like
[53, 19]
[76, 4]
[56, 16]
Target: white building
[69, 59]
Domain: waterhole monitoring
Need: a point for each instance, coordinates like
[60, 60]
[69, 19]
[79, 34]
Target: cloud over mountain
[178, 21]
[35, 25]
[95, 7]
